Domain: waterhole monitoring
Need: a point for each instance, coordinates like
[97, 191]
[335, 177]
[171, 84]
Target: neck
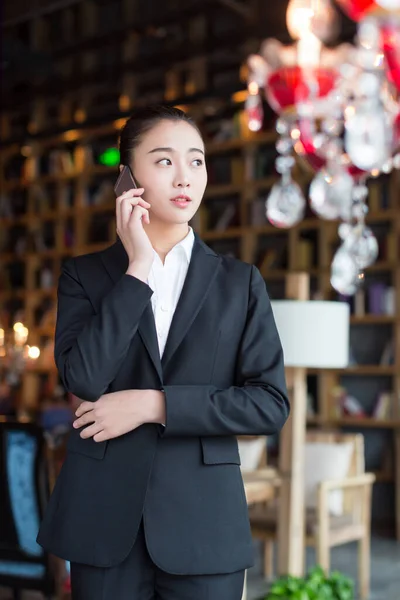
[164, 237]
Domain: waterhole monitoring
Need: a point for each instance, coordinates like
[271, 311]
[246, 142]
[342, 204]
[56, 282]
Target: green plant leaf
[316, 585]
[301, 595]
[278, 590]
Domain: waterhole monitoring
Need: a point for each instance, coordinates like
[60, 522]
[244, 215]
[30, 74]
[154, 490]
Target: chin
[175, 219]
[182, 221]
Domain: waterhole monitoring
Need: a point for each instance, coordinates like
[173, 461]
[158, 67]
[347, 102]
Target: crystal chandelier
[338, 109]
[15, 353]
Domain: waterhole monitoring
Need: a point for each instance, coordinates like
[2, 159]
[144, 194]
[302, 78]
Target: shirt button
[164, 308]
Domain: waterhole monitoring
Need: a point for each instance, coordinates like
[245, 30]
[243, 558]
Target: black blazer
[223, 375]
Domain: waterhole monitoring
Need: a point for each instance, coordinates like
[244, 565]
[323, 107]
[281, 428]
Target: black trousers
[138, 578]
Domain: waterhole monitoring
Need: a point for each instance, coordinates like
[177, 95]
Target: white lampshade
[314, 334]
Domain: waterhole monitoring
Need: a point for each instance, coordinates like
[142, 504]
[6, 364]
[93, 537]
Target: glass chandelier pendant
[367, 138]
[330, 193]
[286, 204]
[345, 274]
[331, 189]
[253, 107]
[359, 248]
[341, 107]
[360, 240]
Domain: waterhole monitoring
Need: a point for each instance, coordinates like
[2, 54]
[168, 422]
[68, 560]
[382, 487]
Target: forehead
[172, 134]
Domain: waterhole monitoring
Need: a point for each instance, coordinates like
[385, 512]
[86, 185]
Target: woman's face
[169, 164]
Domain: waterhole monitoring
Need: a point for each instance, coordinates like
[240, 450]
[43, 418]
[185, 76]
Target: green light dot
[110, 157]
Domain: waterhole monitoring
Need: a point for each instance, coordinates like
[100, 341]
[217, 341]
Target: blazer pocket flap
[220, 450]
[88, 446]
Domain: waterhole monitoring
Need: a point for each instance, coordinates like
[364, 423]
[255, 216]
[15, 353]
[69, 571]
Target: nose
[182, 180]
[183, 183]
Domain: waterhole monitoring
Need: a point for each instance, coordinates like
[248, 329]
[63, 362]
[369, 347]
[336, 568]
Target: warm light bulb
[20, 333]
[389, 4]
[299, 17]
[124, 102]
[253, 88]
[316, 16]
[295, 134]
[33, 352]
[80, 115]
[119, 123]
[72, 135]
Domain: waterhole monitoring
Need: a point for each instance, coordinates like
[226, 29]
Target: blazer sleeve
[91, 345]
[259, 405]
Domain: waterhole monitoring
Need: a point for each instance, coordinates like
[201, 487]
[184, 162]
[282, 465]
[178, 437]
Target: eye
[163, 161]
[198, 161]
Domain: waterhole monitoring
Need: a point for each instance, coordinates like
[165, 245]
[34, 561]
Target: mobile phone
[125, 181]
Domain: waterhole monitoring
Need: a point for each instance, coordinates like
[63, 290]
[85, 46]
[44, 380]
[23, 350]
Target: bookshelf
[72, 217]
[56, 199]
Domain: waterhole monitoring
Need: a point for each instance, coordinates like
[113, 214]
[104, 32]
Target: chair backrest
[253, 452]
[356, 464]
[24, 492]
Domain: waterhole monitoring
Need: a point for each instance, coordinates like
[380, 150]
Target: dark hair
[141, 121]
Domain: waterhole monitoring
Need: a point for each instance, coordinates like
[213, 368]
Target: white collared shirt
[166, 280]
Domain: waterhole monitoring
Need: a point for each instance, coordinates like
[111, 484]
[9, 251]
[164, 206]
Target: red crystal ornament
[289, 85]
[356, 9]
[254, 111]
[305, 147]
[391, 48]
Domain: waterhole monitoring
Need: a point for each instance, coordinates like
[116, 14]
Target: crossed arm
[90, 348]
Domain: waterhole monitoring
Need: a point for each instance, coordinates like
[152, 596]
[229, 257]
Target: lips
[181, 199]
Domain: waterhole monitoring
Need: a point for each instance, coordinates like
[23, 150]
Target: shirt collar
[186, 245]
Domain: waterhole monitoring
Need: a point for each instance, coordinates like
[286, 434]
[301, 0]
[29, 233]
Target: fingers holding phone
[132, 212]
[127, 202]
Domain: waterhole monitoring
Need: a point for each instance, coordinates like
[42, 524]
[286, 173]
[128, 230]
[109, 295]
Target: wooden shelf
[249, 241]
[248, 235]
[41, 369]
[373, 320]
[367, 422]
[365, 370]
[362, 422]
[212, 149]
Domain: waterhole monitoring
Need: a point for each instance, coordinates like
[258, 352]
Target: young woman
[174, 351]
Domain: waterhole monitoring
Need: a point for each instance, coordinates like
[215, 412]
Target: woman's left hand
[115, 414]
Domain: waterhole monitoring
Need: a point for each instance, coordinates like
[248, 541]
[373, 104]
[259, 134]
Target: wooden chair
[261, 482]
[325, 530]
[254, 464]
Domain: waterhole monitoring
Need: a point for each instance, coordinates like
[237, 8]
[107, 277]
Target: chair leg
[364, 566]
[269, 559]
[323, 555]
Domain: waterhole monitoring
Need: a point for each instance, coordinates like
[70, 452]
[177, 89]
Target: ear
[120, 168]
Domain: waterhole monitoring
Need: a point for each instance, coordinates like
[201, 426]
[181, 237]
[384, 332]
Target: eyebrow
[172, 150]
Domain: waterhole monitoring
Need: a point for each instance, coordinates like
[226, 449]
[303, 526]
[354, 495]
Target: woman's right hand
[131, 212]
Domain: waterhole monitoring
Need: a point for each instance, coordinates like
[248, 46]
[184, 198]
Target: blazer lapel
[116, 262]
[202, 271]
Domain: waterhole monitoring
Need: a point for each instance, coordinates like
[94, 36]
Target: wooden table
[259, 486]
